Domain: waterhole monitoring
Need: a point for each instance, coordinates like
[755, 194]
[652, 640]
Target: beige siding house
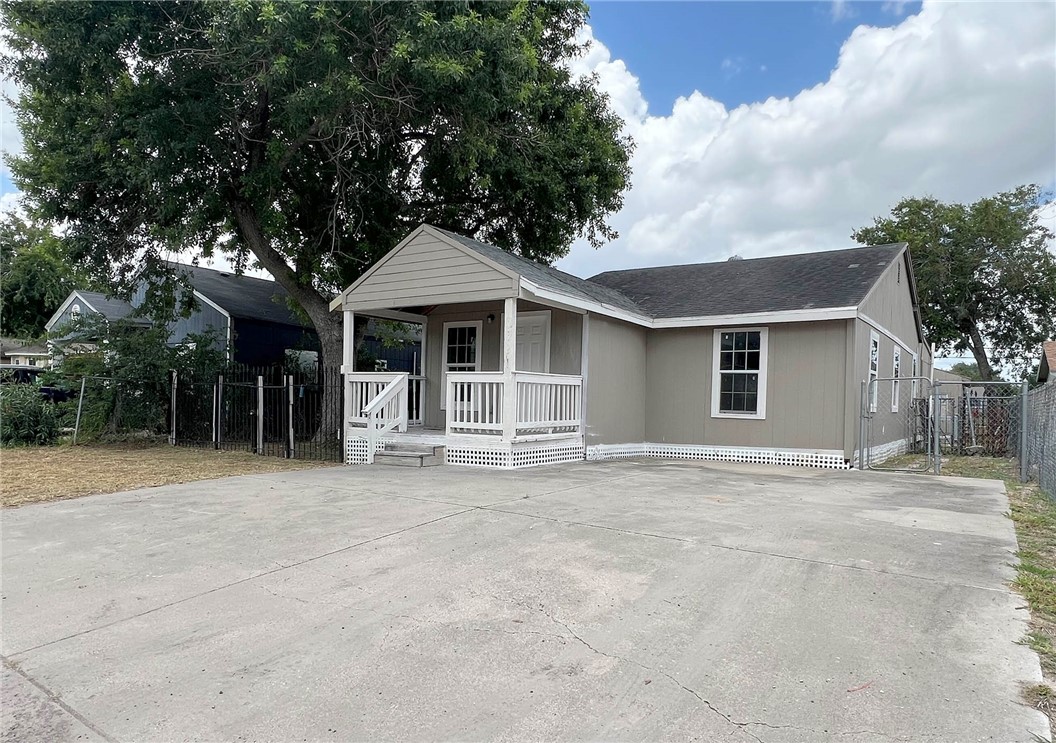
[763, 360]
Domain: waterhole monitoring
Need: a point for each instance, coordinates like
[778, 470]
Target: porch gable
[428, 268]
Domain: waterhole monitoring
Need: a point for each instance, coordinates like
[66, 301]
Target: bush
[26, 417]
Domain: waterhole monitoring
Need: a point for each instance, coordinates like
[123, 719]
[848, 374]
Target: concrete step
[415, 448]
[423, 456]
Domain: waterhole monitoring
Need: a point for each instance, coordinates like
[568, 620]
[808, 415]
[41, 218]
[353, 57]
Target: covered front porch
[500, 381]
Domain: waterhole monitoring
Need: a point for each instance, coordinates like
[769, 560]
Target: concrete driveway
[619, 600]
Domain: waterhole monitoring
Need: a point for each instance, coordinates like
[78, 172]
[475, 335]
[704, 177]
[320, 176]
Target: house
[761, 360]
[247, 315]
[1047, 362]
[36, 354]
[7, 347]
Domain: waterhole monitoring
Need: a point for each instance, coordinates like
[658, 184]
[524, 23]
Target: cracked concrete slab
[621, 600]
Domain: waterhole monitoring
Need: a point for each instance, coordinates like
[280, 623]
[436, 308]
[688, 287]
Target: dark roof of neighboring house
[1048, 360]
[837, 278]
[111, 308]
[34, 350]
[548, 277]
[241, 296]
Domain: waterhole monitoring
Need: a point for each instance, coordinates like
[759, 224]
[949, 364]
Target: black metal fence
[265, 410]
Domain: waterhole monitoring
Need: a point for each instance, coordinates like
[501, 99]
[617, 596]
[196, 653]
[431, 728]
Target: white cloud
[958, 101]
[840, 9]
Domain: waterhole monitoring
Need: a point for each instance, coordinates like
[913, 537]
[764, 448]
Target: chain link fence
[1041, 436]
[897, 424]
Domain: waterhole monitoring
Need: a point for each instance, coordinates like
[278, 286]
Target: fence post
[260, 414]
[1024, 414]
[172, 407]
[861, 429]
[289, 416]
[936, 452]
[80, 404]
[220, 411]
[212, 421]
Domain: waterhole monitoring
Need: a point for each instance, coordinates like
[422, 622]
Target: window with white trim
[461, 351]
[896, 368]
[75, 312]
[739, 373]
[874, 369]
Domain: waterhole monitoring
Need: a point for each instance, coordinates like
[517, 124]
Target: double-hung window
[739, 373]
[874, 369]
[896, 372]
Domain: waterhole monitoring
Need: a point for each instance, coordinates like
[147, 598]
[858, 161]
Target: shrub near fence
[1041, 436]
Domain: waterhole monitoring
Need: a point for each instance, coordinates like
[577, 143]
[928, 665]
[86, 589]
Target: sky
[780, 127]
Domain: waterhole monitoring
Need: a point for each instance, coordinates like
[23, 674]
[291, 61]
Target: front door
[533, 342]
[461, 354]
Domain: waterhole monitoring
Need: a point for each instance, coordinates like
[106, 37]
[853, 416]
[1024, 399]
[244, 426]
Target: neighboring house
[7, 347]
[758, 360]
[249, 316]
[33, 355]
[1048, 361]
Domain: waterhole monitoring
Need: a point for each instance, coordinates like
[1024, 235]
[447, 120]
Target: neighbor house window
[75, 312]
[739, 388]
[874, 369]
[896, 368]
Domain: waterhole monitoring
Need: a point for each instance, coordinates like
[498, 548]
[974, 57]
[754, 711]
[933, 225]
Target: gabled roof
[1048, 360]
[239, 295]
[809, 286]
[546, 276]
[838, 278]
[111, 308]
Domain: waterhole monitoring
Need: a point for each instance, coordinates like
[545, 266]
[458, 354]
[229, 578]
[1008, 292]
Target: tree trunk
[978, 349]
[327, 324]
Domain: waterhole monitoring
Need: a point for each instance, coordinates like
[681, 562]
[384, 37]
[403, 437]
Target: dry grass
[35, 474]
[1034, 515]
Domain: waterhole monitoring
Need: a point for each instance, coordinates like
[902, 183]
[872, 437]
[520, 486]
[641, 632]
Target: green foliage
[26, 417]
[129, 370]
[968, 371]
[310, 136]
[35, 276]
[985, 276]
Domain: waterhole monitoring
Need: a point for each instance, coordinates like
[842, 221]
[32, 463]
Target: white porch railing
[415, 400]
[362, 387]
[377, 402]
[546, 406]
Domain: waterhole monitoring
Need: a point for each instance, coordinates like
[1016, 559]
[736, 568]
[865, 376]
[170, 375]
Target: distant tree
[968, 371]
[35, 276]
[985, 276]
[310, 136]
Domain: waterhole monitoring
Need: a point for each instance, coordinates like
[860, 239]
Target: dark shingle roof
[241, 296]
[548, 277]
[112, 308]
[838, 278]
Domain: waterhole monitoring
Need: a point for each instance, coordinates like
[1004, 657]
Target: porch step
[410, 455]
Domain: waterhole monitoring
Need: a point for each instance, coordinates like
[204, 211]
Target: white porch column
[509, 362]
[348, 359]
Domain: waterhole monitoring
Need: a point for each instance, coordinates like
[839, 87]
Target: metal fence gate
[263, 411]
[910, 423]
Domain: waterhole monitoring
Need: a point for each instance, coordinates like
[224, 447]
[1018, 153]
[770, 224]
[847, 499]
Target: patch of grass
[1034, 515]
[42, 473]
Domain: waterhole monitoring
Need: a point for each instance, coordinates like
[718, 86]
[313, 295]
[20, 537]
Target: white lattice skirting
[784, 457]
[515, 456]
[503, 456]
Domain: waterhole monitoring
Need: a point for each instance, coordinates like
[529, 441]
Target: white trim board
[877, 326]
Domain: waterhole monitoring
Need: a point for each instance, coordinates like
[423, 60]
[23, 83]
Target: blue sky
[735, 52]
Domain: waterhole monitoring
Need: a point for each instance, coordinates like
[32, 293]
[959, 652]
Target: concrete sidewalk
[617, 601]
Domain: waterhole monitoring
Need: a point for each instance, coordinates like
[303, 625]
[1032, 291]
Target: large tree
[986, 278]
[310, 137]
[35, 276]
